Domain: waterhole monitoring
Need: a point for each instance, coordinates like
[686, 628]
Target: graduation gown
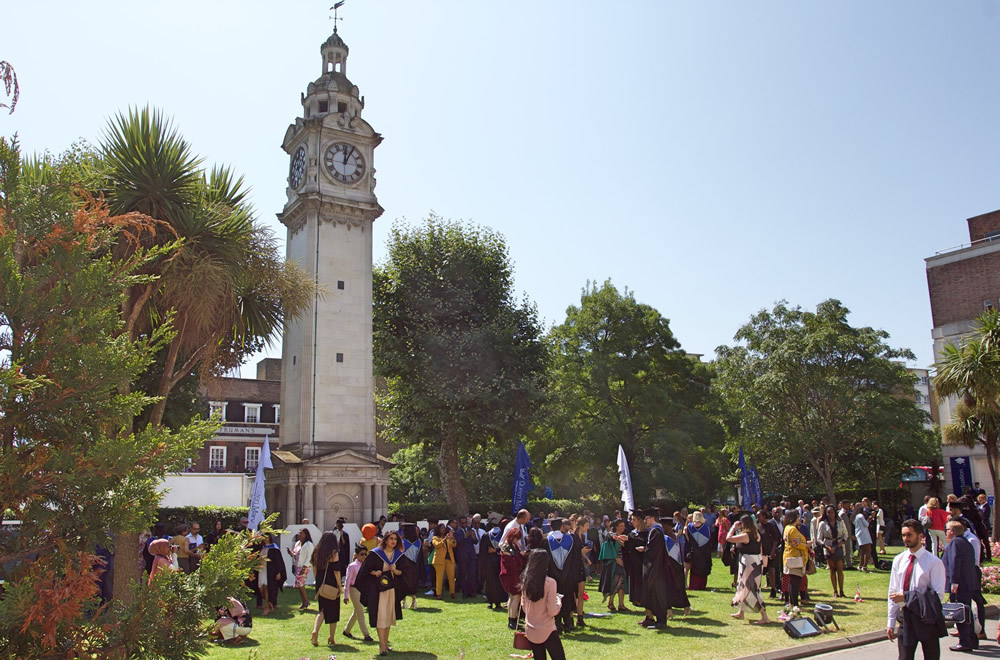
[700, 556]
[676, 593]
[367, 584]
[654, 574]
[275, 574]
[489, 562]
[610, 570]
[633, 565]
[565, 576]
[511, 566]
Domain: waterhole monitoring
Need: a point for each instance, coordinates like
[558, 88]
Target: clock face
[297, 170]
[344, 162]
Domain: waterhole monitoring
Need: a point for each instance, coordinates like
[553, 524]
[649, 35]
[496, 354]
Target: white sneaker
[429, 593]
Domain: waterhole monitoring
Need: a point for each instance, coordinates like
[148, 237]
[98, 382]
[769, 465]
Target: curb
[838, 644]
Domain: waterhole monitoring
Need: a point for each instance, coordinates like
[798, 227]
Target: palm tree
[971, 372]
[226, 290]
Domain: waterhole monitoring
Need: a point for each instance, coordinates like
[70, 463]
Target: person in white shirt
[196, 545]
[863, 536]
[521, 520]
[916, 570]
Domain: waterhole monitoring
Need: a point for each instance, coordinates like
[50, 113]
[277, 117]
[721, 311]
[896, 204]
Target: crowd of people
[536, 567]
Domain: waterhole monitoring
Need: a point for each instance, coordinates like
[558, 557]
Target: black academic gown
[633, 565]
[676, 591]
[367, 584]
[700, 556]
[275, 574]
[654, 576]
[489, 561]
[566, 581]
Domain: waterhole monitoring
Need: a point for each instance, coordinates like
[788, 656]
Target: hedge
[203, 515]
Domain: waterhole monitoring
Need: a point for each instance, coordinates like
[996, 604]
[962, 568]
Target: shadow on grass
[696, 621]
[411, 655]
[249, 642]
[678, 631]
[420, 608]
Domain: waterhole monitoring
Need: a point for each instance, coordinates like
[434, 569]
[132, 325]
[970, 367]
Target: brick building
[962, 282]
[250, 410]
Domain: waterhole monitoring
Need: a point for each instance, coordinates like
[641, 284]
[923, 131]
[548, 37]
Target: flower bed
[991, 579]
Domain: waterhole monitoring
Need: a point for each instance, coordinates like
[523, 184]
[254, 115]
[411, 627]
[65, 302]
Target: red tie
[909, 573]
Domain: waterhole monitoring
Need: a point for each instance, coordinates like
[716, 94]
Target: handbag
[327, 591]
[794, 562]
[521, 641]
[953, 612]
[386, 582]
[811, 567]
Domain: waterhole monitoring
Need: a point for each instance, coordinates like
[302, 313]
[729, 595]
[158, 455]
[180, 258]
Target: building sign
[961, 473]
[244, 430]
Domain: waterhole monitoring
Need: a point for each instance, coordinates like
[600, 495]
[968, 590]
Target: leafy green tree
[463, 362]
[487, 471]
[619, 376]
[971, 372]
[808, 387]
[226, 290]
[73, 470]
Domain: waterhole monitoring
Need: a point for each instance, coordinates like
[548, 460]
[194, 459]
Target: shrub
[204, 515]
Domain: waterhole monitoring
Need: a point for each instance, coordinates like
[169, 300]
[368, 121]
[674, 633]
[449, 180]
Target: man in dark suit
[960, 579]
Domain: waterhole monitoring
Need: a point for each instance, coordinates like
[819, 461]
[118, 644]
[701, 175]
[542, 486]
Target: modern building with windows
[963, 281]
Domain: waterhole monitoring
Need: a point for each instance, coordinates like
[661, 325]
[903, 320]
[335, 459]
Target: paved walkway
[886, 650]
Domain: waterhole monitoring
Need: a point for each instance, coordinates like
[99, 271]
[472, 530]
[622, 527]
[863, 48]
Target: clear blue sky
[712, 157]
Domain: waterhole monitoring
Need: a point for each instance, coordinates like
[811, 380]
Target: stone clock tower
[326, 463]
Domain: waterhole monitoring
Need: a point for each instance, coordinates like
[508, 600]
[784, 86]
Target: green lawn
[447, 629]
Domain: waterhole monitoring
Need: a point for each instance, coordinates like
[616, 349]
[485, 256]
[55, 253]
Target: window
[251, 413]
[340, 284]
[277, 413]
[918, 397]
[251, 458]
[923, 380]
[217, 459]
[988, 304]
[341, 107]
[340, 357]
[324, 106]
[217, 409]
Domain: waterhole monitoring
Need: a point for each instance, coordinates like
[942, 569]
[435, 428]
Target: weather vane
[335, 7]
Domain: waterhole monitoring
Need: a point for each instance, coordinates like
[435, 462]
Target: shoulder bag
[327, 591]
[521, 641]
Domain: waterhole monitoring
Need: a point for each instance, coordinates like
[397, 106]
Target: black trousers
[931, 649]
[794, 585]
[552, 646]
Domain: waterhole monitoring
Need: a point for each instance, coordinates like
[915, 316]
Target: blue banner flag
[522, 479]
[961, 473]
[746, 499]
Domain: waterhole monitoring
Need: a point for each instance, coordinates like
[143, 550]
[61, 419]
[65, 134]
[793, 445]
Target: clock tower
[327, 464]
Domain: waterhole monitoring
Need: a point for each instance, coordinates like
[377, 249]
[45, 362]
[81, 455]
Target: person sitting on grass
[233, 622]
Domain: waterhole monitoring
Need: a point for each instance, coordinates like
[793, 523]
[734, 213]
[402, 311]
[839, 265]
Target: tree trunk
[127, 567]
[828, 483]
[451, 478]
[878, 487]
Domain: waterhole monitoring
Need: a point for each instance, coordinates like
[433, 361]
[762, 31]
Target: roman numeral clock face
[344, 162]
